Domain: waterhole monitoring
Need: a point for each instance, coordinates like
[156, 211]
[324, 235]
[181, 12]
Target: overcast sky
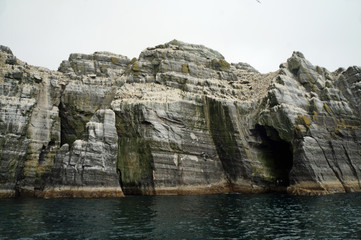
[44, 32]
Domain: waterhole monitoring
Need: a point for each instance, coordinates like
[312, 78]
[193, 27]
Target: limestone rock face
[97, 64]
[88, 164]
[323, 126]
[29, 123]
[179, 119]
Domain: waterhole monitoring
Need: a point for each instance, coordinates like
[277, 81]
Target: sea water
[223, 216]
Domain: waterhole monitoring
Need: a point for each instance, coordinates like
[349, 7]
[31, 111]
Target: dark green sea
[225, 216]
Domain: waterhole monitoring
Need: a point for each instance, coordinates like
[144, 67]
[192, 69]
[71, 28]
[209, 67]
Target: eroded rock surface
[179, 119]
[88, 164]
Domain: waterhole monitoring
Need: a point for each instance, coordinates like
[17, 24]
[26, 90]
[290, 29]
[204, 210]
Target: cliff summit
[179, 119]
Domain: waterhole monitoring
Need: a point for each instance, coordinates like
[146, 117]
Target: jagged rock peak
[104, 64]
[10, 58]
[6, 49]
[99, 55]
[298, 54]
[245, 67]
[196, 49]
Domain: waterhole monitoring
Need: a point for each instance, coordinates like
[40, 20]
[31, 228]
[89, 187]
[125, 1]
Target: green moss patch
[304, 120]
[116, 61]
[219, 65]
[135, 67]
[185, 68]
[327, 108]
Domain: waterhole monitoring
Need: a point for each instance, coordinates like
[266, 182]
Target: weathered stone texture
[179, 119]
[90, 162]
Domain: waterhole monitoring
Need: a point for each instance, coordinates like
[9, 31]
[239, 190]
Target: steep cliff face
[179, 119]
[29, 125]
[324, 124]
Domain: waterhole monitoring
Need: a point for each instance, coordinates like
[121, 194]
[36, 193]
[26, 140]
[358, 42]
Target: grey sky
[44, 32]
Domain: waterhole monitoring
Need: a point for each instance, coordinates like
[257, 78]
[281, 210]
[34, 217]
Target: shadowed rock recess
[179, 119]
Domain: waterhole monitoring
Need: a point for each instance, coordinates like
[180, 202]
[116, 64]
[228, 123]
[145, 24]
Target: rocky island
[179, 119]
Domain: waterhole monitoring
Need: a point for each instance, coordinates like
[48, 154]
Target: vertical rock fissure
[330, 166]
[351, 166]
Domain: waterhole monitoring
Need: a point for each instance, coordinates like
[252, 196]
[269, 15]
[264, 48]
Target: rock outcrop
[179, 119]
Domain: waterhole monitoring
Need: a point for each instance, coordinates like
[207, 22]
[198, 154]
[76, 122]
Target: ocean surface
[224, 216]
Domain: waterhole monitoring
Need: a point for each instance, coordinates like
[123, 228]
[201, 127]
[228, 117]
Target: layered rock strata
[179, 119]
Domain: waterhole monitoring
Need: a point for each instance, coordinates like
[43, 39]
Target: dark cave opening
[276, 154]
